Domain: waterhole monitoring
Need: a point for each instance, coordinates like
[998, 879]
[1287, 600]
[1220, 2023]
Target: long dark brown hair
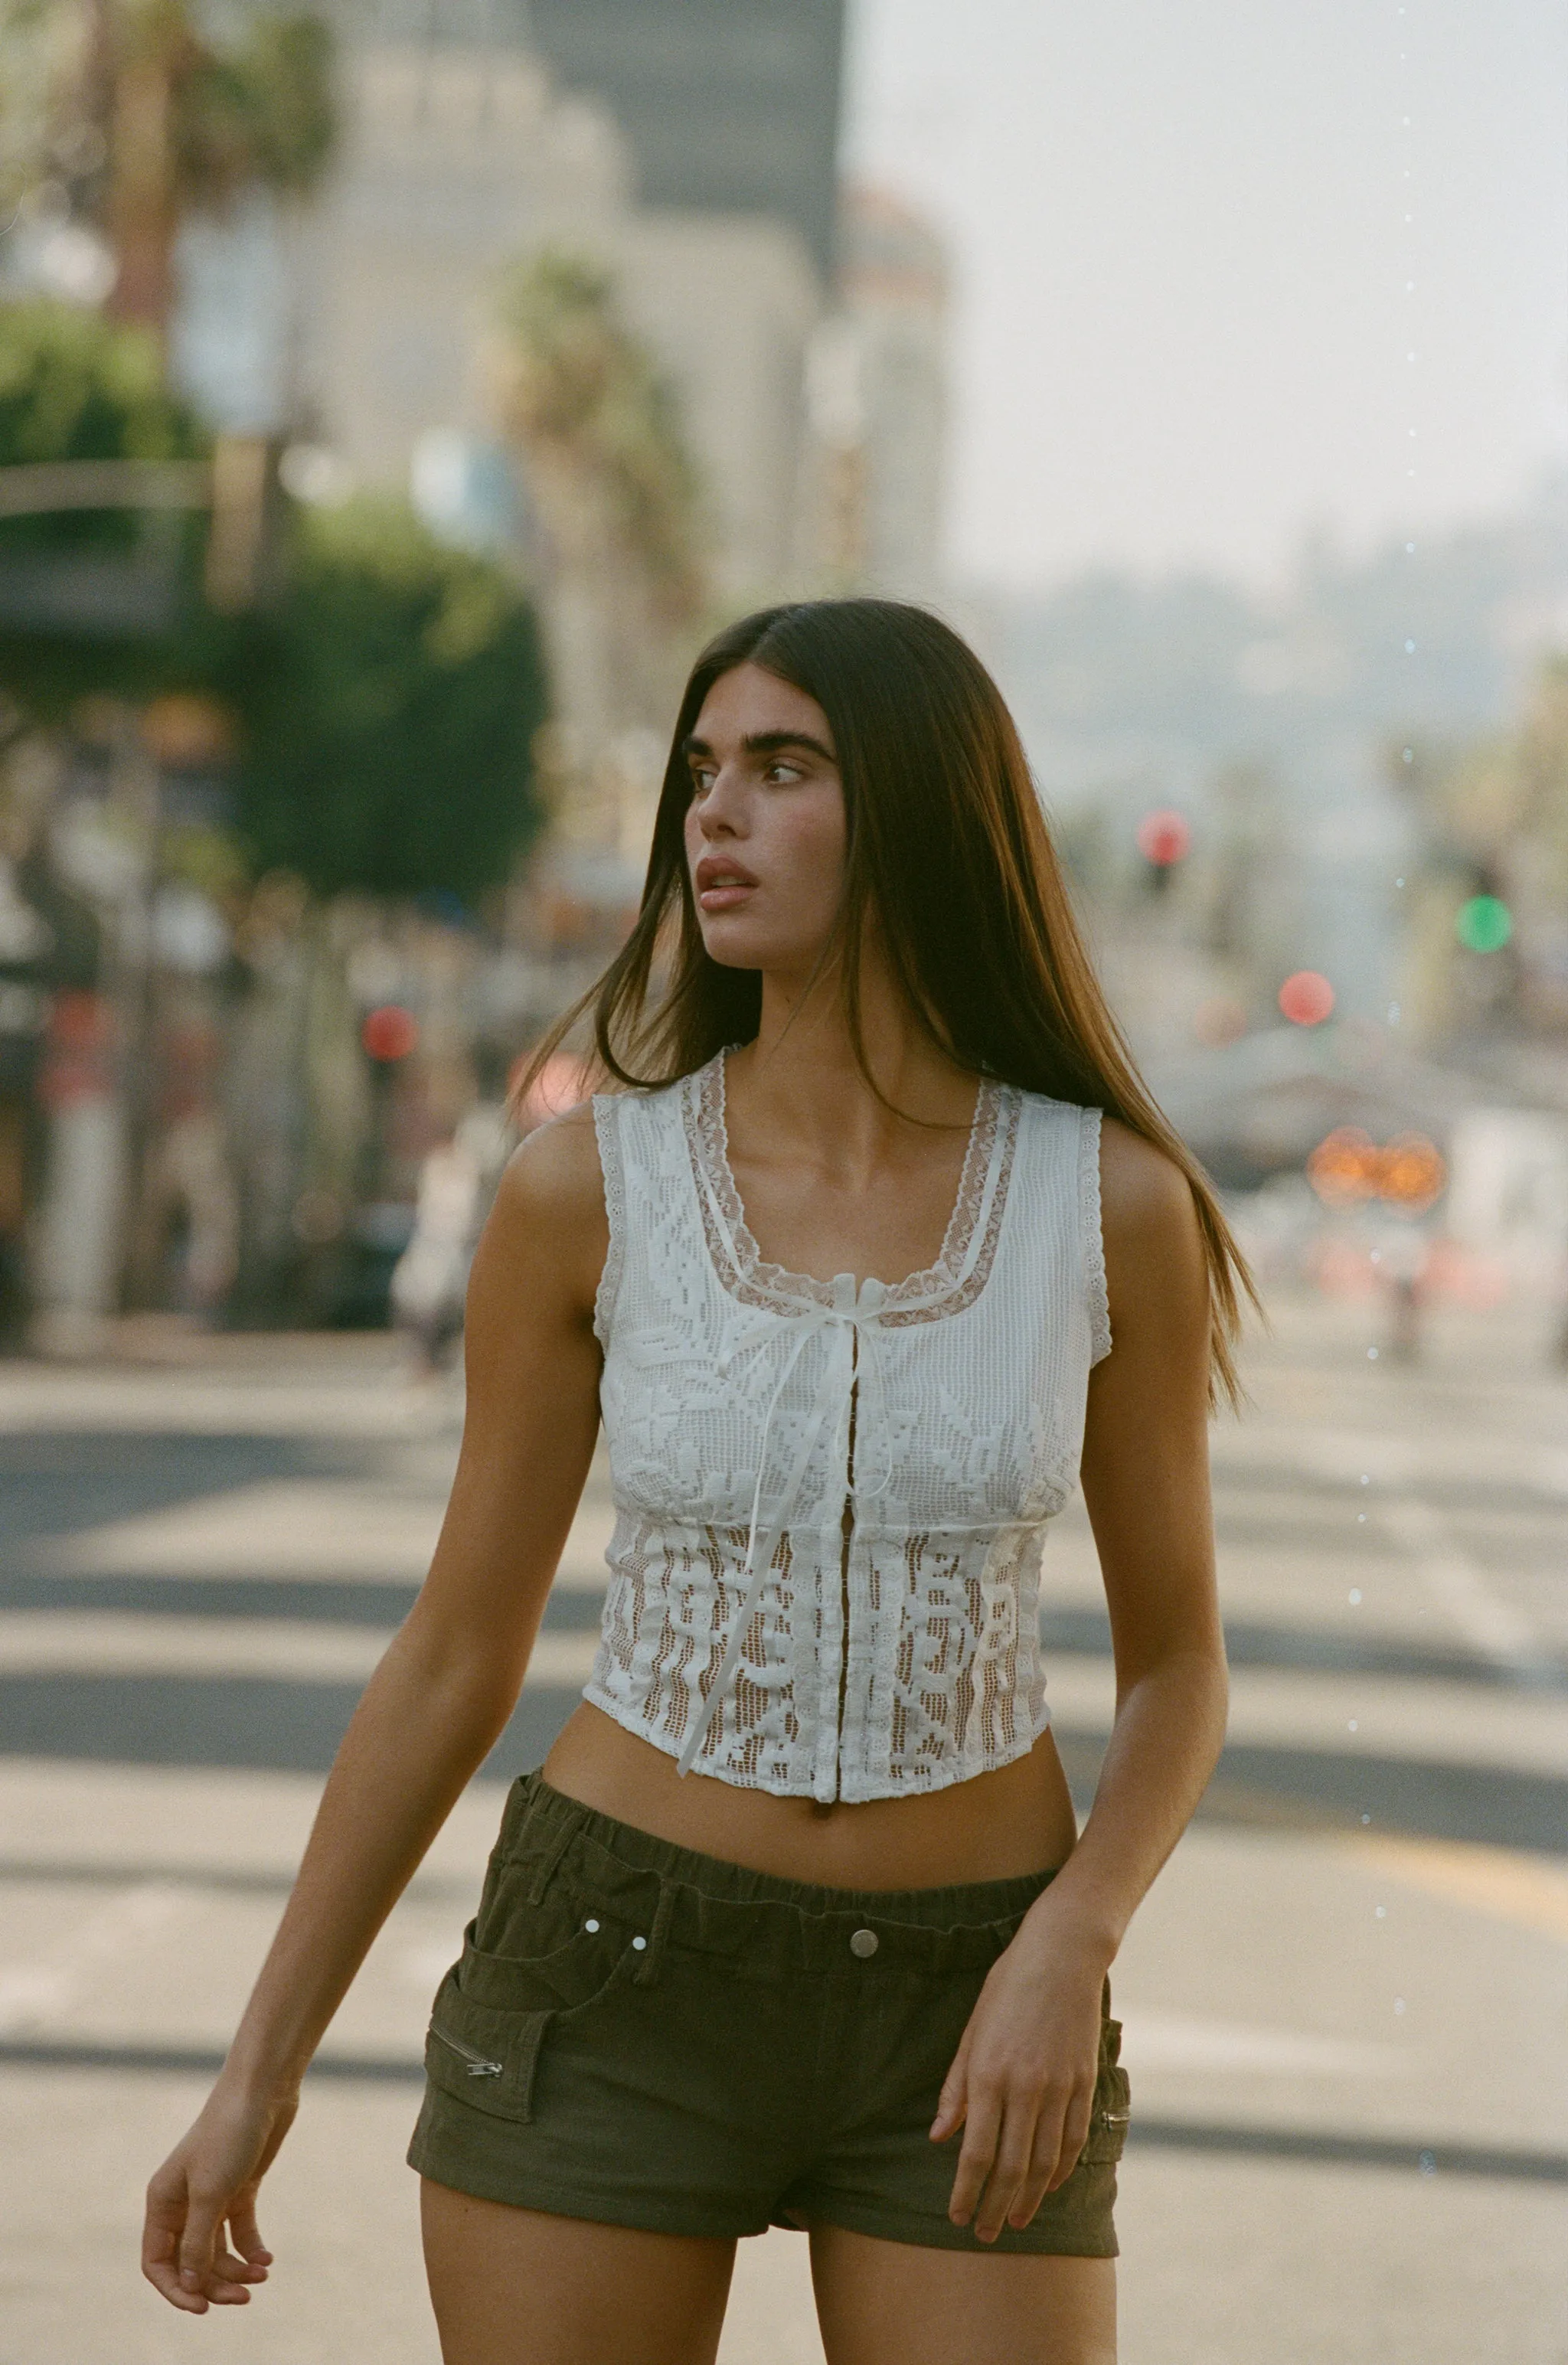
[948, 848]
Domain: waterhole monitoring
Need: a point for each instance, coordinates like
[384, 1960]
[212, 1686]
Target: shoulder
[1148, 1217]
[1142, 1191]
[548, 1219]
[554, 1172]
[1142, 1188]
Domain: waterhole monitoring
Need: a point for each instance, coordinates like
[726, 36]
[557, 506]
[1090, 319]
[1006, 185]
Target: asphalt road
[1344, 2000]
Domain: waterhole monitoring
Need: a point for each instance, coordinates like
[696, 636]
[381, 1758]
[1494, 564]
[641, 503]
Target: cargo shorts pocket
[492, 2014]
[1107, 2139]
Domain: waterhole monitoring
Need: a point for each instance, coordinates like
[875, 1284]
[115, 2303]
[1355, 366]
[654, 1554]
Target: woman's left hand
[1022, 2083]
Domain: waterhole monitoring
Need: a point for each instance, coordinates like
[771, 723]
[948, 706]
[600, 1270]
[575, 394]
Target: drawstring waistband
[678, 1896]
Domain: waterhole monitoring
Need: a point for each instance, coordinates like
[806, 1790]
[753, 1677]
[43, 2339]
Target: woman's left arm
[1022, 2082]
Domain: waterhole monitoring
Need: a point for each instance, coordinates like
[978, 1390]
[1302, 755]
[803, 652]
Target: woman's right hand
[209, 2182]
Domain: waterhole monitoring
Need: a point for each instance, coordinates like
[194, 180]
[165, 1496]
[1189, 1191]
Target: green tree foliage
[389, 708]
[76, 387]
[1500, 806]
[45, 51]
[129, 114]
[261, 111]
[387, 699]
[1493, 827]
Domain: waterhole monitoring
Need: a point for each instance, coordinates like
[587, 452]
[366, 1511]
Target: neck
[803, 1069]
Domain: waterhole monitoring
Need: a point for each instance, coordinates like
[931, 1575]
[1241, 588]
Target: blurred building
[452, 160]
[690, 152]
[729, 303]
[691, 146]
[878, 403]
[729, 106]
[463, 153]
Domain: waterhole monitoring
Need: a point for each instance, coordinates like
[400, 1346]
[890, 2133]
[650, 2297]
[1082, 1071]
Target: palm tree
[597, 433]
[125, 110]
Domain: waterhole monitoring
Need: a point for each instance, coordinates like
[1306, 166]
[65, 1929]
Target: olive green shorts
[643, 2035]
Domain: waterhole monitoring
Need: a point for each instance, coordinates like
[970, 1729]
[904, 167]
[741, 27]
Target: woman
[794, 1924]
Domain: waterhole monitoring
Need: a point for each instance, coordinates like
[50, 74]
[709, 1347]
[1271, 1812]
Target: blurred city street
[393, 398]
[1343, 2000]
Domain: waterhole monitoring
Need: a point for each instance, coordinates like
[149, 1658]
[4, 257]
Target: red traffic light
[390, 1033]
[1163, 838]
[1306, 999]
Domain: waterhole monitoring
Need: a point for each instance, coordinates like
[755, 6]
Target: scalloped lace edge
[1094, 1236]
[607, 1133]
[938, 1289]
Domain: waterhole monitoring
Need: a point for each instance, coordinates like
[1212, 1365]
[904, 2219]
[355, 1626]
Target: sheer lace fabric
[831, 1501]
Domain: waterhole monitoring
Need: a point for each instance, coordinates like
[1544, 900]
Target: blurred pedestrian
[185, 1240]
[457, 1183]
[1404, 1253]
[851, 1974]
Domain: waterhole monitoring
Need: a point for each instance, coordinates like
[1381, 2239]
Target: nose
[720, 812]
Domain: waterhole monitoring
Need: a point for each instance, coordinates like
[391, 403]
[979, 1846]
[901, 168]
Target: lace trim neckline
[968, 1243]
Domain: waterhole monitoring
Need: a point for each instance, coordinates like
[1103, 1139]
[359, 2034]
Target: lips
[720, 885]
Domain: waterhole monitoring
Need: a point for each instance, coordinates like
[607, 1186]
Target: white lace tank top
[830, 1502]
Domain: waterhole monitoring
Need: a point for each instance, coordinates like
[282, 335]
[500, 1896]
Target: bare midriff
[1017, 1818]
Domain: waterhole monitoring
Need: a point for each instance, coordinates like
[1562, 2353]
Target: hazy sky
[1182, 307]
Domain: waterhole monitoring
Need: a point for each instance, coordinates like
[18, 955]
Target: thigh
[520, 2287]
[898, 2304]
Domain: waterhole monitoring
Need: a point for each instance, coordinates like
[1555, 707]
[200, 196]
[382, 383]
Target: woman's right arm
[433, 1708]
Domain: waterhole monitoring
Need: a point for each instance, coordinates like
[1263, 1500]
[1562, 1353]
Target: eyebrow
[765, 742]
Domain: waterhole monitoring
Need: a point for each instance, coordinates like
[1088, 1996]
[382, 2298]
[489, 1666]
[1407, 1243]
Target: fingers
[1052, 2158]
[1011, 2167]
[185, 2257]
[246, 2235]
[161, 2242]
[1059, 2137]
[951, 2107]
[1018, 2147]
[1073, 2136]
[206, 2184]
[234, 2275]
[982, 2129]
[204, 2215]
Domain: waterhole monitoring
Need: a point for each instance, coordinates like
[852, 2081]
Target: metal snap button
[864, 1942]
[639, 1943]
[591, 1925]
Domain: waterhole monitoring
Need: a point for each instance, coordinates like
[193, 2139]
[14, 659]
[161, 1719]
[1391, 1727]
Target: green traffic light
[1485, 924]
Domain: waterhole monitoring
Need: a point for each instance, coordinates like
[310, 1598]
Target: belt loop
[647, 1970]
[548, 1861]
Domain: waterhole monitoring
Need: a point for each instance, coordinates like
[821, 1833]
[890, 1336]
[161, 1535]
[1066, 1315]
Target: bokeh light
[1347, 1165]
[1164, 838]
[1343, 1167]
[390, 1033]
[1306, 998]
[1413, 1173]
[1485, 924]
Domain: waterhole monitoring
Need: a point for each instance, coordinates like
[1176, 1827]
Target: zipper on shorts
[478, 2065]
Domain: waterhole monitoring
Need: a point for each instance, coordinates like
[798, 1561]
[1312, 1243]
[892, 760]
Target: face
[764, 830]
